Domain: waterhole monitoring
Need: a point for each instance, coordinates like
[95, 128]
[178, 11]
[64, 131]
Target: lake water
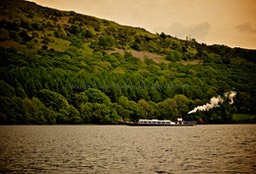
[126, 149]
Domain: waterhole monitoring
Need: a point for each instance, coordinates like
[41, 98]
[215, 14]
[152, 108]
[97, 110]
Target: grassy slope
[30, 13]
[244, 118]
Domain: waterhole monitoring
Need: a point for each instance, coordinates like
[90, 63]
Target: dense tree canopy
[61, 67]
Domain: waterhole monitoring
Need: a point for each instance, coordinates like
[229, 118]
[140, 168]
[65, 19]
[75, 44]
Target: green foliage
[136, 46]
[72, 51]
[80, 99]
[24, 36]
[174, 55]
[4, 34]
[74, 29]
[135, 111]
[12, 111]
[20, 92]
[65, 68]
[36, 26]
[6, 90]
[35, 111]
[244, 118]
[74, 115]
[96, 96]
[61, 33]
[222, 114]
[53, 100]
[15, 36]
[76, 42]
[107, 41]
[243, 102]
[145, 108]
[100, 114]
[86, 112]
[87, 34]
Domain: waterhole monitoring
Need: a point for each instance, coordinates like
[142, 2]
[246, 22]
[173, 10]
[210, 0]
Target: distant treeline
[45, 89]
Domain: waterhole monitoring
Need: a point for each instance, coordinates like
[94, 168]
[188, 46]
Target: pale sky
[228, 22]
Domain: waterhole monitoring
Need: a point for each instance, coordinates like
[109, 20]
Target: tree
[25, 37]
[80, 99]
[87, 34]
[122, 112]
[36, 26]
[72, 51]
[75, 29]
[174, 55]
[211, 92]
[44, 115]
[53, 99]
[144, 107]
[6, 90]
[124, 102]
[153, 68]
[168, 109]
[101, 114]
[135, 111]
[12, 111]
[130, 108]
[114, 117]
[182, 104]
[74, 115]
[163, 35]
[107, 41]
[243, 102]
[61, 33]
[96, 96]
[136, 46]
[31, 110]
[86, 111]
[154, 94]
[76, 42]
[14, 35]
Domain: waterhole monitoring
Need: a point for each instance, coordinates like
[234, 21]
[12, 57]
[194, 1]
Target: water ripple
[123, 149]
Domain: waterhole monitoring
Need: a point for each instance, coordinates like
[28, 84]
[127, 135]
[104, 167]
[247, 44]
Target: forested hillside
[59, 67]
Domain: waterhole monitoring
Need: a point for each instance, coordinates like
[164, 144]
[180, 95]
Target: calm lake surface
[126, 149]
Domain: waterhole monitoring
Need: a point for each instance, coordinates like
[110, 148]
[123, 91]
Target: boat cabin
[179, 121]
[155, 121]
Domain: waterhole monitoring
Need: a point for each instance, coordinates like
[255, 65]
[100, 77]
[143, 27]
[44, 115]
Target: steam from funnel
[230, 96]
[214, 102]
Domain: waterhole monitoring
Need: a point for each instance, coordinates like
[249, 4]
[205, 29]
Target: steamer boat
[156, 122]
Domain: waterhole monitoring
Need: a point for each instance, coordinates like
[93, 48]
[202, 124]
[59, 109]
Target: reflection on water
[125, 149]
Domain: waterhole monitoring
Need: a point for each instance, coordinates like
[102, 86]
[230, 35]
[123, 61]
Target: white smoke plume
[230, 96]
[214, 102]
